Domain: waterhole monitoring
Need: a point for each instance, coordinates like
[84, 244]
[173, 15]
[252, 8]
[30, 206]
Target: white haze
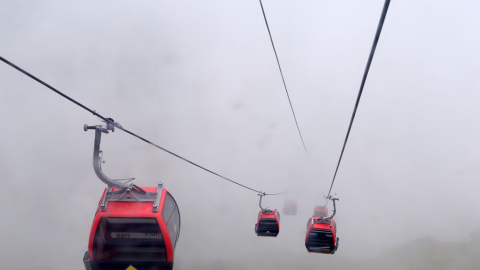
[200, 79]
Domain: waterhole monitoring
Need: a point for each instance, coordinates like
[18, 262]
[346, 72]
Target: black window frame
[109, 249]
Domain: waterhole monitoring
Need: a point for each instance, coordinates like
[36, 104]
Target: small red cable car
[321, 234]
[320, 211]
[136, 227]
[290, 207]
[268, 221]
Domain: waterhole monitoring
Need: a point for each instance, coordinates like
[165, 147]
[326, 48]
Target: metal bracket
[268, 212]
[321, 220]
[134, 194]
[156, 203]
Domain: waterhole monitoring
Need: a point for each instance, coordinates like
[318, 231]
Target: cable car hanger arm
[262, 194]
[98, 160]
[260, 202]
[334, 208]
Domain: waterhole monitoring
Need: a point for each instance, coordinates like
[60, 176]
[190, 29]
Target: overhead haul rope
[367, 68]
[283, 79]
[109, 120]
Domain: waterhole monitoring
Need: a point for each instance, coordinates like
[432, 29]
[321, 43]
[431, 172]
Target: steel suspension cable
[125, 130]
[365, 74]
[283, 79]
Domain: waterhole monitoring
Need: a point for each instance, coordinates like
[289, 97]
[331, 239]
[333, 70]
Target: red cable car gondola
[321, 234]
[320, 211]
[290, 207]
[133, 228]
[268, 221]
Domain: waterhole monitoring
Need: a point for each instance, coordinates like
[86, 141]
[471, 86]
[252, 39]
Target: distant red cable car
[290, 207]
[134, 227]
[321, 234]
[268, 221]
[131, 228]
[320, 211]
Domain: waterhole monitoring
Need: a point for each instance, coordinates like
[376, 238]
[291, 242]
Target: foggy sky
[200, 79]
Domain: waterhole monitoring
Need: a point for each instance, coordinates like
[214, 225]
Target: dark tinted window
[171, 215]
[129, 240]
[319, 237]
[268, 225]
[168, 207]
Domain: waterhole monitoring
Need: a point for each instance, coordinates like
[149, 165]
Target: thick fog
[200, 79]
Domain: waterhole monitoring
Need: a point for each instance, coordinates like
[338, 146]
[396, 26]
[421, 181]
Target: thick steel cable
[365, 74]
[125, 130]
[281, 73]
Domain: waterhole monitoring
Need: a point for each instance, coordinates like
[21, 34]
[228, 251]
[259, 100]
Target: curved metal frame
[97, 161]
[327, 220]
[265, 210]
[334, 208]
[260, 202]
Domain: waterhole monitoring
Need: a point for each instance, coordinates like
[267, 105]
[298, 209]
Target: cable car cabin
[321, 235]
[268, 223]
[135, 228]
[290, 207]
[320, 211]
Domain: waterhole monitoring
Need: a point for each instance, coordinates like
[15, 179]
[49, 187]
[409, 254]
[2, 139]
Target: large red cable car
[138, 227]
[321, 234]
[290, 207]
[268, 221]
[134, 227]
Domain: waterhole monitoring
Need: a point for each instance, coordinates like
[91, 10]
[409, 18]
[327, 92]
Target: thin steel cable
[365, 74]
[123, 129]
[281, 73]
[48, 86]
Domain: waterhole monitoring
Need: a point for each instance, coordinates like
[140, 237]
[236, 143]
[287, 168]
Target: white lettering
[124, 235]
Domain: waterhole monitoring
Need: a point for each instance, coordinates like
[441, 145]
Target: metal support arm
[97, 161]
[260, 202]
[334, 208]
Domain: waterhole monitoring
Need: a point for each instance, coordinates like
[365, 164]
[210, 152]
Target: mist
[200, 79]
